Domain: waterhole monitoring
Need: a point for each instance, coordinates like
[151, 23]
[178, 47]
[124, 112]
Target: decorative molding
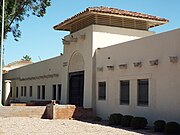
[123, 66]
[39, 77]
[154, 62]
[100, 69]
[137, 64]
[82, 36]
[110, 67]
[72, 39]
[65, 64]
[173, 59]
[65, 42]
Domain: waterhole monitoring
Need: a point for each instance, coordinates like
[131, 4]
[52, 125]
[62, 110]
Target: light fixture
[110, 67]
[123, 66]
[137, 64]
[154, 62]
[173, 59]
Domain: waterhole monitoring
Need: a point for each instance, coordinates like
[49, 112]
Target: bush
[96, 118]
[115, 119]
[138, 122]
[159, 125]
[126, 120]
[172, 128]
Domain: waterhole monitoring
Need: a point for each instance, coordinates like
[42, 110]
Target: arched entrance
[76, 79]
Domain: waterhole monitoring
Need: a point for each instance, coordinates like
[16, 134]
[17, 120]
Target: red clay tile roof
[116, 12]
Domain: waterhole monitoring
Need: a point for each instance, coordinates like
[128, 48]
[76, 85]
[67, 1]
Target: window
[102, 90]
[30, 91]
[16, 92]
[43, 91]
[21, 90]
[143, 86]
[24, 91]
[38, 92]
[54, 92]
[124, 92]
[59, 91]
[10, 91]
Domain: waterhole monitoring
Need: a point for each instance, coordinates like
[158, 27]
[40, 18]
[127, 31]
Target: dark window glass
[38, 92]
[24, 90]
[143, 88]
[30, 91]
[54, 92]
[124, 92]
[102, 90]
[21, 90]
[43, 92]
[11, 92]
[17, 92]
[59, 91]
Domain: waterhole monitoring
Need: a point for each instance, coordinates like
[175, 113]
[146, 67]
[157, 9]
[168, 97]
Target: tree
[26, 57]
[17, 10]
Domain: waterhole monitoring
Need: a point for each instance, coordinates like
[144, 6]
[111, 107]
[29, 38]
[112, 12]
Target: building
[16, 64]
[111, 63]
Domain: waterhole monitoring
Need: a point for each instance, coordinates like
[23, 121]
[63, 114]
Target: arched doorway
[76, 79]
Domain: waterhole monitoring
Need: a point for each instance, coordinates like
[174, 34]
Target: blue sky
[40, 41]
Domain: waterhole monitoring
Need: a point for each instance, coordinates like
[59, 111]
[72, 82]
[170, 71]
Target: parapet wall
[51, 111]
[23, 111]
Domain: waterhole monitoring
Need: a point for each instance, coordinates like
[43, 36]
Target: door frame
[81, 95]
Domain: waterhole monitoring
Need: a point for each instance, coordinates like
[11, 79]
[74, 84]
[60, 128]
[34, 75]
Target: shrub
[138, 122]
[159, 125]
[126, 120]
[115, 119]
[172, 128]
[96, 118]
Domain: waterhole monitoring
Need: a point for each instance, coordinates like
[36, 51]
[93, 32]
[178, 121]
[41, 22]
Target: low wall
[23, 111]
[50, 111]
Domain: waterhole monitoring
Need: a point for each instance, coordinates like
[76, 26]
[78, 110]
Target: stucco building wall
[164, 78]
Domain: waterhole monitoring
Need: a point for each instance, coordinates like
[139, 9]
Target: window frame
[38, 92]
[139, 101]
[22, 91]
[104, 97]
[17, 91]
[43, 92]
[59, 91]
[124, 102]
[25, 91]
[30, 91]
[54, 90]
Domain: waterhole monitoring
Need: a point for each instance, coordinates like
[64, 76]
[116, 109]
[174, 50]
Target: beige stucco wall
[47, 67]
[164, 79]
[83, 47]
[104, 36]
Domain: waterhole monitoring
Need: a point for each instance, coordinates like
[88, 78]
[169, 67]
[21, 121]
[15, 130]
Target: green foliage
[26, 57]
[126, 120]
[139, 122]
[17, 10]
[172, 128]
[96, 118]
[159, 125]
[115, 119]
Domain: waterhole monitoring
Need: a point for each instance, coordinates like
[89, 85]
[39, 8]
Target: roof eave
[64, 25]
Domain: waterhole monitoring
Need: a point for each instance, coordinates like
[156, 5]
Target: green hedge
[172, 128]
[115, 119]
[126, 120]
[97, 118]
[139, 122]
[159, 125]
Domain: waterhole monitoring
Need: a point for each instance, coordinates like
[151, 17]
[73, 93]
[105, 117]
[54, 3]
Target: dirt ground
[35, 126]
